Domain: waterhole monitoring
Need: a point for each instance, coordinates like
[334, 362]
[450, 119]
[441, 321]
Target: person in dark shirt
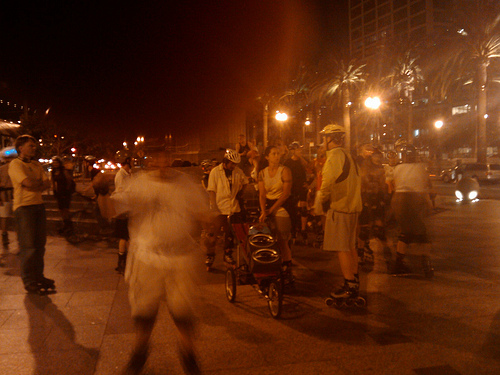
[297, 165]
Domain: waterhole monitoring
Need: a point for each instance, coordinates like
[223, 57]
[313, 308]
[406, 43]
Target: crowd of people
[345, 201]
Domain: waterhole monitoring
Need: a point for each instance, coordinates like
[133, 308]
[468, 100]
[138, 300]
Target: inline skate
[346, 296]
[122, 260]
[209, 261]
[43, 287]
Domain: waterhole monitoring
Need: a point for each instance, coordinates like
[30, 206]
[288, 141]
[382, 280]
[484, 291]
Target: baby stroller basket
[265, 256]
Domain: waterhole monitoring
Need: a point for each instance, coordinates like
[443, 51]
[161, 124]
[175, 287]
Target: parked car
[446, 175]
[479, 171]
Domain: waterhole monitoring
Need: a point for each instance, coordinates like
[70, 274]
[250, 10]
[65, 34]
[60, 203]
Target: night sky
[120, 69]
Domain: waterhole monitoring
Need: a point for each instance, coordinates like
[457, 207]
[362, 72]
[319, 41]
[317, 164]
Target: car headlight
[262, 240]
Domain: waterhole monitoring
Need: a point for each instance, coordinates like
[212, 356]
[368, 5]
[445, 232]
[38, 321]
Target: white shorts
[6, 209]
[169, 281]
[340, 231]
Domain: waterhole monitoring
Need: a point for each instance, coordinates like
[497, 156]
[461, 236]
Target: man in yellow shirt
[341, 200]
[29, 181]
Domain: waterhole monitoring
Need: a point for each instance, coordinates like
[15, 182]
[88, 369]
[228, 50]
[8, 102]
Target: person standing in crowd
[6, 196]
[411, 204]
[225, 186]
[63, 187]
[297, 165]
[275, 186]
[29, 181]
[164, 207]
[282, 149]
[122, 177]
[341, 200]
[373, 196]
[243, 147]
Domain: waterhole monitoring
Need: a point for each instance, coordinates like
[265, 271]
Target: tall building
[373, 22]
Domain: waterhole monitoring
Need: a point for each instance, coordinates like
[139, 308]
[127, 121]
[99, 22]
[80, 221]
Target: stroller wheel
[275, 299]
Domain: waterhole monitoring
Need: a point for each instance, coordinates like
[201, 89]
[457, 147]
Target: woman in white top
[275, 184]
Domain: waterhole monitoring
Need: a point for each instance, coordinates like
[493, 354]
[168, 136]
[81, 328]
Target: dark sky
[151, 67]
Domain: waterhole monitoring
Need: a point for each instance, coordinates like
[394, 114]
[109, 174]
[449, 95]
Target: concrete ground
[412, 325]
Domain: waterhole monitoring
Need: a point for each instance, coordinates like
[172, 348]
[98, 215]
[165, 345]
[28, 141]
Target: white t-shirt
[225, 190]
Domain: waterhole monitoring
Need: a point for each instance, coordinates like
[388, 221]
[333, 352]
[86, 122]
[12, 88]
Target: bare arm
[286, 177]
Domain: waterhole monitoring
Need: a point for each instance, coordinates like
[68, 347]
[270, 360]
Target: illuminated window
[462, 109]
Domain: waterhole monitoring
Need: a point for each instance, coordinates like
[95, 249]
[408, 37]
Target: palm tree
[406, 74]
[341, 79]
[470, 53]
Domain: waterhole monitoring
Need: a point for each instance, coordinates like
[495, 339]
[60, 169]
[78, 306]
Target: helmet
[294, 145]
[206, 165]
[232, 155]
[332, 129]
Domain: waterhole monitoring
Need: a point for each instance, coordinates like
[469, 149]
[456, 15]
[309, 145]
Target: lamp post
[373, 103]
[438, 125]
[306, 124]
[281, 117]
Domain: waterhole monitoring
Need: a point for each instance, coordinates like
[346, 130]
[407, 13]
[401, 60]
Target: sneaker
[33, 288]
[349, 289]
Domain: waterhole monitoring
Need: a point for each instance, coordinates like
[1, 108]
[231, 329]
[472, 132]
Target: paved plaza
[448, 325]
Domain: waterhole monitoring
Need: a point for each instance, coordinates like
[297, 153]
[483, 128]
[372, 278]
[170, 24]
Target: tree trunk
[346, 108]
[481, 114]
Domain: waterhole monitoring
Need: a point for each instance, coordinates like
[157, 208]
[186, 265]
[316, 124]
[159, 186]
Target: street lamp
[373, 103]
[306, 124]
[281, 117]
[438, 125]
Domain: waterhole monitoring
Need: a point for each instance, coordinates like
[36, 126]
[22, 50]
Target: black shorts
[121, 229]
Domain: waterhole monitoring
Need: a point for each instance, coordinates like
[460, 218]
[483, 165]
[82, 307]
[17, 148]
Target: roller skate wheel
[350, 302]
[360, 302]
[329, 301]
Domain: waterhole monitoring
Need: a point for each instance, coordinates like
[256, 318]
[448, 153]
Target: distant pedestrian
[243, 148]
[121, 221]
[29, 181]
[165, 208]
[297, 165]
[6, 196]
[63, 187]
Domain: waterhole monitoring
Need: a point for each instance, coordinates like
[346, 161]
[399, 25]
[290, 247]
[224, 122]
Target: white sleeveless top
[274, 188]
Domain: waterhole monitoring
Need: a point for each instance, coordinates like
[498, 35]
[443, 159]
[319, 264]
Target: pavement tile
[92, 298]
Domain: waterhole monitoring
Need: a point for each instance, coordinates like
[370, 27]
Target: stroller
[258, 263]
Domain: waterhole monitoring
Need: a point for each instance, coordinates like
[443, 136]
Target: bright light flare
[280, 116]
[438, 124]
[372, 102]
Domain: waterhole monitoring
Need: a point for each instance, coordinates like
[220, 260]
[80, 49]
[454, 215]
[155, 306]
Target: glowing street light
[372, 102]
[438, 124]
[280, 116]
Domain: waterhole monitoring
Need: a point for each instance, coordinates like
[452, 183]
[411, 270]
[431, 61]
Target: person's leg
[26, 224]
[40, 240]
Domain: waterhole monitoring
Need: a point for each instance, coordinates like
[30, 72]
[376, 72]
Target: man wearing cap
[341, 200]
[225, 186]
